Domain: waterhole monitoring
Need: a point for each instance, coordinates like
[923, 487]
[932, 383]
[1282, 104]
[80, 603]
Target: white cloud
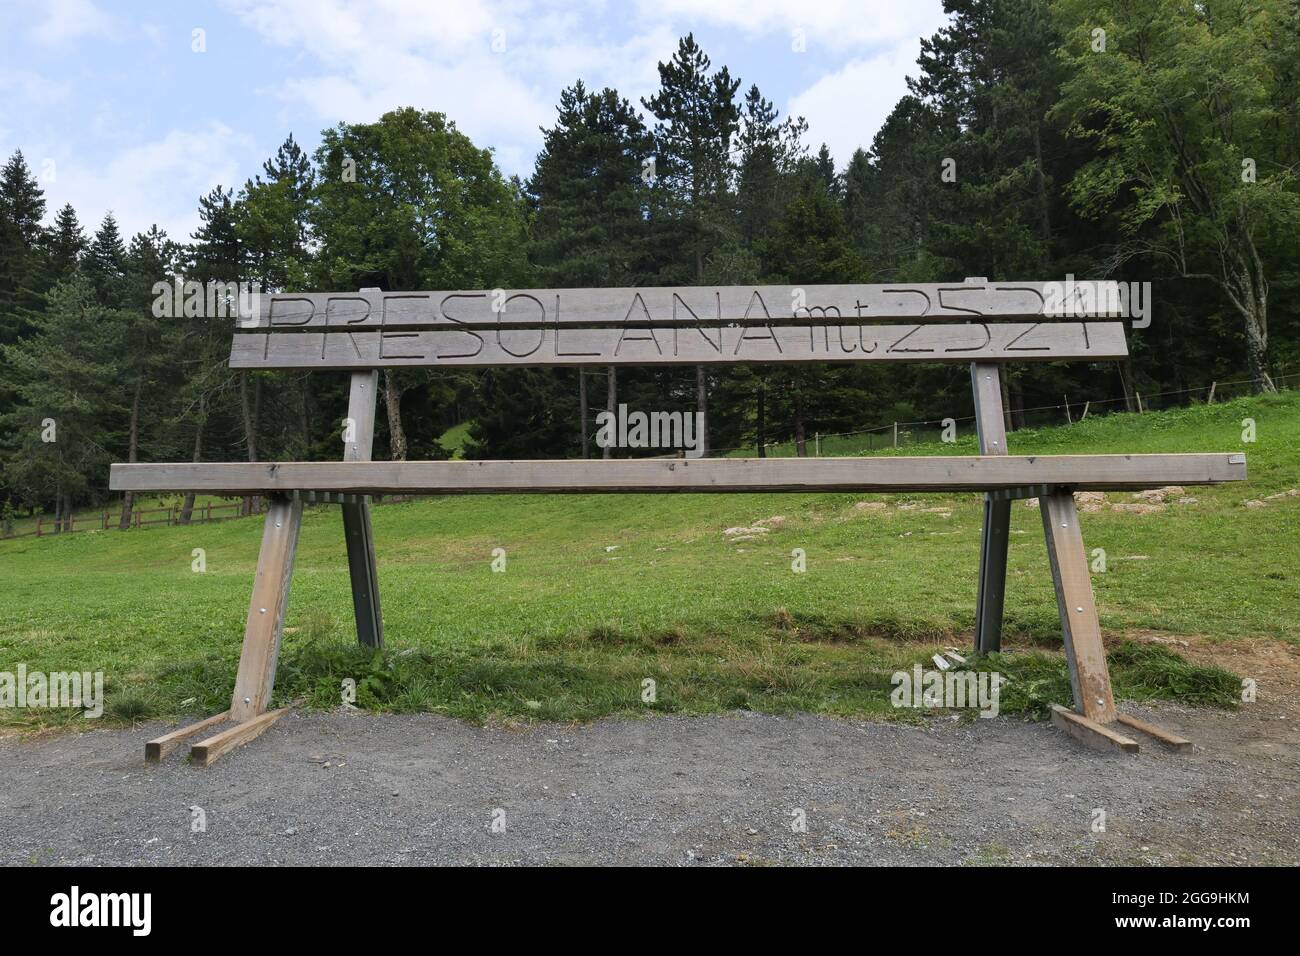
[64, 21]
[158, 182]
[837, 24]
[844, 109]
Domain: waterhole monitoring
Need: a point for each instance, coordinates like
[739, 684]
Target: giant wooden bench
[984, 324]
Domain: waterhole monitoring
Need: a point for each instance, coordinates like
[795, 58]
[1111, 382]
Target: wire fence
[894, 435]
[899, 433]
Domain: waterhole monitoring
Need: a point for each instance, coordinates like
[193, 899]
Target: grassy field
[601, 592]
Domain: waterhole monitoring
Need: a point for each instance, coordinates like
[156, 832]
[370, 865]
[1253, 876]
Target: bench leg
[1093, 721]
[993, 574]
[1079, 627]
[361, 569]
[248, 716]
[358, 443]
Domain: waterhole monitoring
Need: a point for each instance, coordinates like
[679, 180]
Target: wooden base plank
[1171, 740]
[160, 747]
[1089, 732]
[205, 753]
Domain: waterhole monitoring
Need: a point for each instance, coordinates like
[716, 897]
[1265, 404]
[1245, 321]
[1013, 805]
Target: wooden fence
[149, 517]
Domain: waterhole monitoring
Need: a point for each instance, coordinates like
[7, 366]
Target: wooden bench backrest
[935, 322]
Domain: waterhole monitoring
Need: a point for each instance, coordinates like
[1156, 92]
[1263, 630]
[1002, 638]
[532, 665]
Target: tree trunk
[250, 407]
[58, 509]
[1257, 361]
[611, 406]
[132, 451]
[1126, 382]
[393, 406]
[1005, 382]
[582, 410]
[1044, 208]
[1017, 406]
[800, 437]
[702, 405]
[187, 507]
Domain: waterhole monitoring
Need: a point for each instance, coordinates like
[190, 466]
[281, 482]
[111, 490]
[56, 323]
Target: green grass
[571, 629]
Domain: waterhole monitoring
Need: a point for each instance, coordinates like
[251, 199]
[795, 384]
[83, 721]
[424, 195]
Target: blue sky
[114, 107]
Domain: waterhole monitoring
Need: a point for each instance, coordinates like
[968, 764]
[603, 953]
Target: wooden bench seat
[939, 473]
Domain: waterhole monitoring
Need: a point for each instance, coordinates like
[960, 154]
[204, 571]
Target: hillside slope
[602, 592]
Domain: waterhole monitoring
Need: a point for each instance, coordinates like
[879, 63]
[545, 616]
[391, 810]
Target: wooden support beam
[363, 571]
[206, 752]
[937, 473]
[1091, 733]
[160, 747]
[265, 625]
[1159, 733]
[986, 384]
[1089, 677]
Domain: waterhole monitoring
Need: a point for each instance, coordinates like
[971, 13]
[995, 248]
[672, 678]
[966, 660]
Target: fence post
[103, 521]
[38, 526]
[1068, 419]
[895, 434]
[1210, 400]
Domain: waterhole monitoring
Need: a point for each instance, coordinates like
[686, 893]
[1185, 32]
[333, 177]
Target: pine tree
[769, 151]
[22, 207]
[588, 196]
[56, 439]
[65, 244]
[105, 264]
[697, 119]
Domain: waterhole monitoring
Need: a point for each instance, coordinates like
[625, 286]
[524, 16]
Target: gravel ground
[353, 788]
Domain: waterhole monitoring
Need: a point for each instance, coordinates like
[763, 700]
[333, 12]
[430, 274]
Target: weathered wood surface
[1092, 733]
[160, 747]
[1166, 737]
[1089, 678]
[990, 423]
[206, 752]
[357, 531]
[265, 624]
[645, 345]
[688, 305]
[957, 473]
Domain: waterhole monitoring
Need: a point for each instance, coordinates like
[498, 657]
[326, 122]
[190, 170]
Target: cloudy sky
[123, 106]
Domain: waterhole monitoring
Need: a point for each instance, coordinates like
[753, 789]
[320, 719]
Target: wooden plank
[363, 573]
[207, 752]
[721, 345]
[937, 473]
[265, 624]
[160, 747]
[1159, 733]
[1089, 677]
[1090, 733]
[986, 384]
[664, 305]
[361, 416]
[990, 423]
